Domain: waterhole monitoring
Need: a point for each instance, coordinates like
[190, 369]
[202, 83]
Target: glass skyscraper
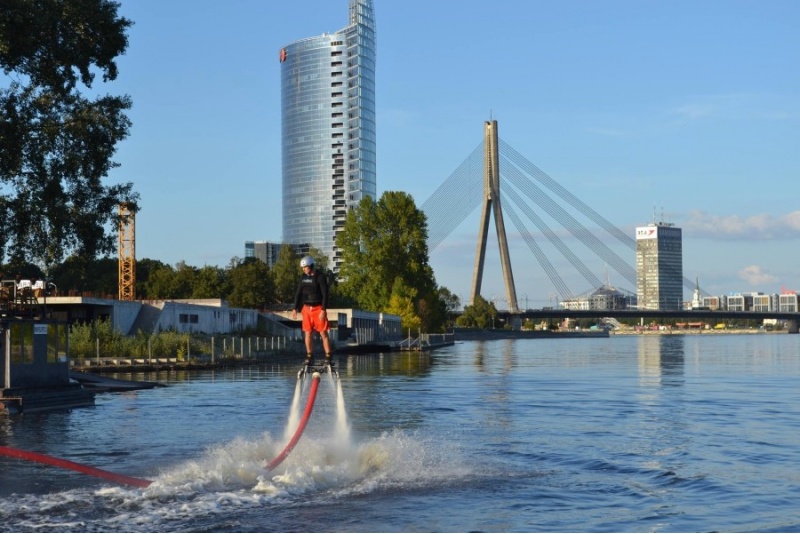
[659, 267]
[328, 130]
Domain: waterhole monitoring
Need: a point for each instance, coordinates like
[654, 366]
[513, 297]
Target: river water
[666, 433]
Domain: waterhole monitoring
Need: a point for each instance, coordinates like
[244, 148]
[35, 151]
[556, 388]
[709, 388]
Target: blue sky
[686, 108]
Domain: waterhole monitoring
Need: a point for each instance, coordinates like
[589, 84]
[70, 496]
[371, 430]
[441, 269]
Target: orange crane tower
[127, 253]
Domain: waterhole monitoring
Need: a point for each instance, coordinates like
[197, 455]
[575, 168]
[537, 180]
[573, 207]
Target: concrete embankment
[485, 334]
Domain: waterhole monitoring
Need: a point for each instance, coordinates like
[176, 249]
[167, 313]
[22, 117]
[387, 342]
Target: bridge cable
[574, 201]
[553, 238]
[453, 202]
[570, 223]
[455, 198]
[462, 192]
[520, 160]
[552, 273]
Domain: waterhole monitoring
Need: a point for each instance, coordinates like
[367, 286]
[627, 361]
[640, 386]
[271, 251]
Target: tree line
[385, 268]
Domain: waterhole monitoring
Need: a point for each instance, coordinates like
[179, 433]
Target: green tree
[162, 283]
[320, 260]
[24, 269]
[210, 282]
[99, 276]
[452, 302]
[285, 274]
[104, 277]
[385, 255]
[56, 145]
[402, 303]
[144, 267]
[183, 280]
[251, 285]
[481, 314]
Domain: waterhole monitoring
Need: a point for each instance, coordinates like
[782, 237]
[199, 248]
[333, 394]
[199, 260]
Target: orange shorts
[312, 321]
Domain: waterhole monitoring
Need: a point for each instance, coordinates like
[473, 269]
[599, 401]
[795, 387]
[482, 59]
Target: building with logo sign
[328, 130]
[659, 267]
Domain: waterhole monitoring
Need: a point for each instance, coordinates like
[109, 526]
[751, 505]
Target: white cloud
[606, 132]
[755, 106]
[694, 111]
[736, 227]
[755, 276]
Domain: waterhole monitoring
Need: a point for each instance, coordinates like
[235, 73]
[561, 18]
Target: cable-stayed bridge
[504, 182]
[501, 179]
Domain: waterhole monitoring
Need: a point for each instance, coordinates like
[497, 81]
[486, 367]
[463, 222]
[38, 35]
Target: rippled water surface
[630, 433]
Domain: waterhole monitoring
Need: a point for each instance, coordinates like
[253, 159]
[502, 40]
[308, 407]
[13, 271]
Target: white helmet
[307, 261]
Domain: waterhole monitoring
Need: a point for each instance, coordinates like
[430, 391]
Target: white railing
[425, 341]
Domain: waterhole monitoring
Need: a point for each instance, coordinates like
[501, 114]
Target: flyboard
[312, 369]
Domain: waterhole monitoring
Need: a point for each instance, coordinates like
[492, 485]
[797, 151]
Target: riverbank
[118, 365]
[689, 332]
[483, 334]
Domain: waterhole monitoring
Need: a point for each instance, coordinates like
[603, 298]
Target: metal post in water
[7, 351]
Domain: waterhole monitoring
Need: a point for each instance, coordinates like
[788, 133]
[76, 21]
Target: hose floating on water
[67, 464]
[312, 396]
[142, 483]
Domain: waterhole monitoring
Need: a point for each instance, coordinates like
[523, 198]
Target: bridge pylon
[491, 204]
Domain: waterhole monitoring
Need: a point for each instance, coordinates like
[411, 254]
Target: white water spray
[294, 411]
[342, 427]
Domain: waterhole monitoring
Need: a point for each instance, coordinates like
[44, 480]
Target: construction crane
[127, 253]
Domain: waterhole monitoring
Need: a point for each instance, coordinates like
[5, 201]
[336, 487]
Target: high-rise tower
[659, 267]
[328, 130]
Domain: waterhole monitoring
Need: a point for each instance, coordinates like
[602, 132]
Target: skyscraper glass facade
[328, 130]
[659, 267]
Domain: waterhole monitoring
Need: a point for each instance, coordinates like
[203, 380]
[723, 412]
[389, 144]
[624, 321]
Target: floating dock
[35, 371]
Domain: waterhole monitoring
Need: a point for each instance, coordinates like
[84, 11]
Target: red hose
[312, 395]
[66, 464]
[141, 483]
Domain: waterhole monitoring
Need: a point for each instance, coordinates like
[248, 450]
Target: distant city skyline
[637, 108]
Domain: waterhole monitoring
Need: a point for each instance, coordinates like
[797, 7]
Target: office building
[659, 267]
[788, 301]
[328, 130]
[763, 303]
[268, 252]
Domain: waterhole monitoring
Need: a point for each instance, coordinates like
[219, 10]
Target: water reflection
[507, 362]
[496, 362]
[661, 360]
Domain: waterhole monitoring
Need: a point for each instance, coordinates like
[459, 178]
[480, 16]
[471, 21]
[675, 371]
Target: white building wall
[186, 317]
[125, 313]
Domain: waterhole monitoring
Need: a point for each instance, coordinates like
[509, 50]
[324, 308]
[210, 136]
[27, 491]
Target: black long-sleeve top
[312, 290]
